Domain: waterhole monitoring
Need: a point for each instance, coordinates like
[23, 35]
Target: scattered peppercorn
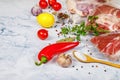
[88, 50]
[105, 70]
[81, 66]
[92, 65]
[96, 66]
[49, 43]
[56, 30]
[89, 73]
[49, 7]
[63, 23]
[77, 69]
[90, 53]
[58, 22]
[86, 45]
[58, 34]
[87, 40]
[55, 26]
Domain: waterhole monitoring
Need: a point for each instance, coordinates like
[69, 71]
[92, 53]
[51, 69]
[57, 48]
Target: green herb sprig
[82, 29]
[76, 30]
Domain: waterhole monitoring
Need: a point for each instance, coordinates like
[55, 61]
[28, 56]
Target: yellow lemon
[46, 20]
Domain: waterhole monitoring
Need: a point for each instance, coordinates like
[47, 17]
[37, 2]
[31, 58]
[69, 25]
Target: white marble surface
[19, 46]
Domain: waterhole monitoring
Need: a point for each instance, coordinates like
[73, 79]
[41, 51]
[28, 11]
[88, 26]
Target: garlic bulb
[64, 60]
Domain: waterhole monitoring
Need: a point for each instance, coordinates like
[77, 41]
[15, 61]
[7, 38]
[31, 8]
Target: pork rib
[108, 17]
[108, 44]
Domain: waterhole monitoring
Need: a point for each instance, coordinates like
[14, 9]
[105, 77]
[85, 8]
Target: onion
[36, 10]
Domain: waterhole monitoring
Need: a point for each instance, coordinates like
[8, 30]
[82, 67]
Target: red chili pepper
[49, 51]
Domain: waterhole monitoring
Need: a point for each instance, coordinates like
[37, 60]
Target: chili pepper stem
[43, 60]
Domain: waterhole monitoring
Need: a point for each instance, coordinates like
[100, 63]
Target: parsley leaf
[82, 29]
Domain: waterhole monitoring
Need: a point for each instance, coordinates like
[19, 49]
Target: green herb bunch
[82, 29]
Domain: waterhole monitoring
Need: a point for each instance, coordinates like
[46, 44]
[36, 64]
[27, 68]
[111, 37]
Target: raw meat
[107, 9]
[83, 7]
[108, 44]
[108, 17]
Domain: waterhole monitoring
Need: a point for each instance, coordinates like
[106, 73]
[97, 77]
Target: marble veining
[19, 46]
